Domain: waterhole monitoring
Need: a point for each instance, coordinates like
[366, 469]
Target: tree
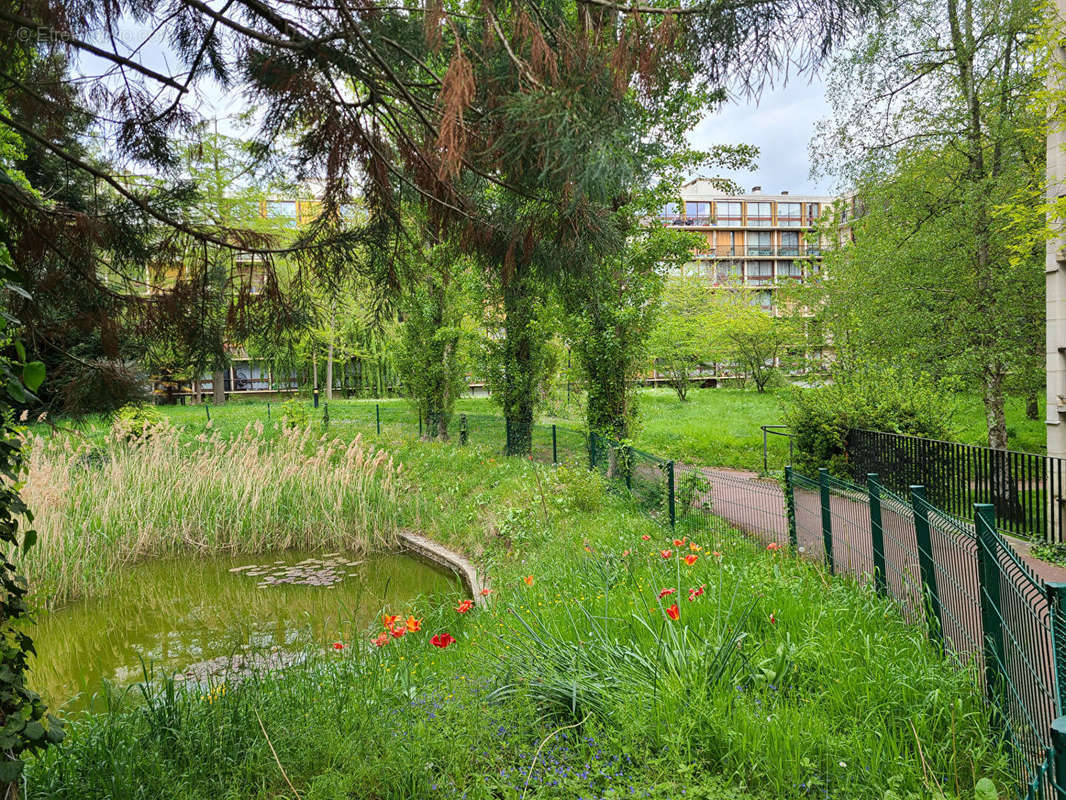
[611, 313]
[684, 335]
[434, 303]
[753, 340]
[934, 127]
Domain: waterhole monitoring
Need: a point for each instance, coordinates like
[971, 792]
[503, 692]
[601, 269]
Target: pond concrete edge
[449, 559]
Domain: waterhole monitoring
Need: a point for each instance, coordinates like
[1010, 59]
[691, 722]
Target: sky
[780, 124]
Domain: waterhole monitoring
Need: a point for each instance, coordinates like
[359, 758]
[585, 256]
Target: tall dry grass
[98, 508]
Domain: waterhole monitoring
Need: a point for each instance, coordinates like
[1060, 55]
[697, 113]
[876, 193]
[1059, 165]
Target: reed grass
[99, 506]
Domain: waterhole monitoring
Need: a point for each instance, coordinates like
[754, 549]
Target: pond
[194, 615]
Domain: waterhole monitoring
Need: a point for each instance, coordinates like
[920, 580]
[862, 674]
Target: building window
[759, 215]
[813, 212]
[788, 214]
[698, 213]
[669, 214]
[790, 243]
[763, 300]
[759, 272]
[726, 272]
[729, 213]
[281, 208]
[759, 244]
[789, 269]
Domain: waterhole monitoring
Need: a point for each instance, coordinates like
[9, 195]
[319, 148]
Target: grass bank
[101, 504]
[603, 665]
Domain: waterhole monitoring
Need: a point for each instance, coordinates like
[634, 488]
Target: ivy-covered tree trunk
[521, 345]
[609, 397]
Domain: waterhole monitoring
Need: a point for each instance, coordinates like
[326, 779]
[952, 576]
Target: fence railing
[961, 580]
[1026, 489]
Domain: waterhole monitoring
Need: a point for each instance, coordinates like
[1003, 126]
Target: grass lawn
[713, 427]
[599, 668]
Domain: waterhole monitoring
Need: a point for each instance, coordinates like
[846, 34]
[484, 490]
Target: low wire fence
[978, 601]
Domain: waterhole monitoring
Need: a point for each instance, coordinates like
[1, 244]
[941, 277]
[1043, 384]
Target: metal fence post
[1056, 593]
[420, 423]
[462, 429]
[377, 416]
[555, 447]
[765, 468]
[316, 397]
[827, 517]
[1058, 758]
[790, 509]
[592, 449]
[207, 408]
[877, 533]
[268, 412]
[670, 492]
[988, 590]
[926, 565]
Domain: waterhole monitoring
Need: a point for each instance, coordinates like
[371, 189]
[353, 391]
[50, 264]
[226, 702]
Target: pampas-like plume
[96, 509]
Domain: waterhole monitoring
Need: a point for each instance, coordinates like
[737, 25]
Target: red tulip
[679, 542]
[441, 640]
[673, 612]
[381, 640]
[773, 546]
[645, 537]
[665, 553]
[486, 592]
[773, 619]
[338, 645]
[665, 592]
[398, 631]
[694, 593]
[464, 606]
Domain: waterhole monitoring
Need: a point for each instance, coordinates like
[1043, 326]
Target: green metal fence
[964, 583]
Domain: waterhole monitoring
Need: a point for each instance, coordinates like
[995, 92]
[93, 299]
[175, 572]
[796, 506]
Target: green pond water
[176, 614]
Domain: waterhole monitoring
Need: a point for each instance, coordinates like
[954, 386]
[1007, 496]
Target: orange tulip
[645, 537]
[464, 606]
[665, 553]
[486, 592]
[388, 620]
[679, 542]
[773, 547]
[528, 579]
[414, 625]
[691, 559]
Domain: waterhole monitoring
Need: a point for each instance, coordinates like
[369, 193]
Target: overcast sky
[780, 125]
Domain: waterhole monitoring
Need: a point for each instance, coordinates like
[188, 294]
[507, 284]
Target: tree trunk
[1032, 407]
[218, 387]
[329, 370]
[519, 368]
[995, 415]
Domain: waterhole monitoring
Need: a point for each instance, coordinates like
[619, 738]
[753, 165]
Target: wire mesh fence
[963, 582]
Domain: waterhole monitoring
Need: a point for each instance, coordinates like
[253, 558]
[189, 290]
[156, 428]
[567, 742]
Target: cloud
[780, 124]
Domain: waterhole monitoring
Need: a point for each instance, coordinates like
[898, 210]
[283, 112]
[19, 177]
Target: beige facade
[1055, 269]
[757, 241]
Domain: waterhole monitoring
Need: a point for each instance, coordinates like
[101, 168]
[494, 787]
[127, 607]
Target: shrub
[582, 489]
[295, 414]
[886, 399]
[135, 422]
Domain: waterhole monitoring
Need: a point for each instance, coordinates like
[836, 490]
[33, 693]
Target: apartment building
[757, 241]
